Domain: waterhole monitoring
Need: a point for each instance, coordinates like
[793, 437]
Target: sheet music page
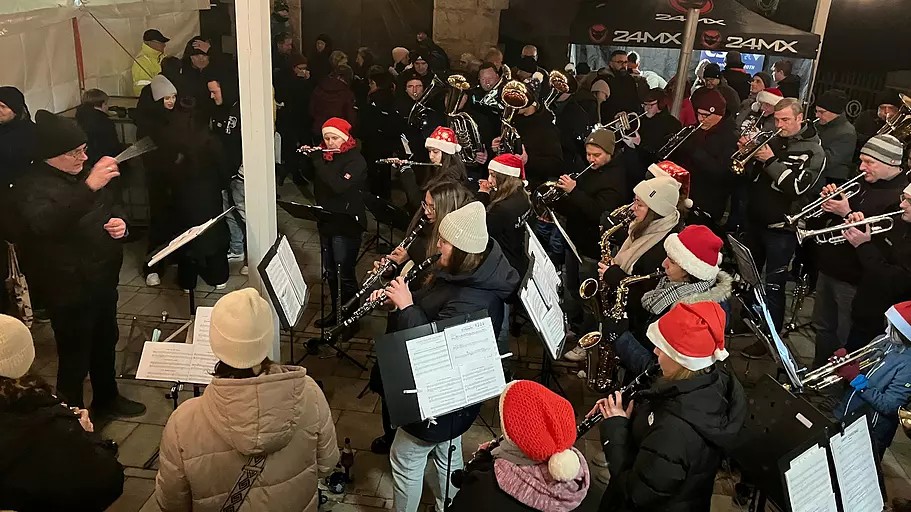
[482, 380]
[809, 482]
[201, 366]
[201, 323]
[289, 261]
[438, 383]
[856, 469]
[185, 237]
[284, 289]
[543, 271]
[167, 362]
[534, 305]
[554, 329]
[472, 342]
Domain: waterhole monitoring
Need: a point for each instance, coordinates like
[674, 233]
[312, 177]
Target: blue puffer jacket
[889, 388]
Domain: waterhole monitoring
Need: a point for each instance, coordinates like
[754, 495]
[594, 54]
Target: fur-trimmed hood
[718, 293]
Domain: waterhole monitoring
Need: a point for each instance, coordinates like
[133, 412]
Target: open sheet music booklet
[284, 274]
[456, 368]
[186, 237]
[190, 363]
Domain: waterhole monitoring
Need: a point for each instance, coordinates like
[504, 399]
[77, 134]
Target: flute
[308, 150]
[642, 381]
[406, 163]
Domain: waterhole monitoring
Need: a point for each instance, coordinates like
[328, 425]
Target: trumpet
[831, 235]
[847, 190]
[742, 156]
[374, 275]
[677, 140]
[624, 124]
[370, 305]
[628, 392]
[548, 193]
[406, 163]
[826, 375]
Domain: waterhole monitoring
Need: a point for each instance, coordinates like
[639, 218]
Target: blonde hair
[506, 187]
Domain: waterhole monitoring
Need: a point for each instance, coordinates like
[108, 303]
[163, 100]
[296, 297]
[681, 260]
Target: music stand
[287, 289]
[319, 214]
[385, 213]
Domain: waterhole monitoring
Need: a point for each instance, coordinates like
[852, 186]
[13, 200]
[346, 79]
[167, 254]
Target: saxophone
[618, 311]
[594, 289]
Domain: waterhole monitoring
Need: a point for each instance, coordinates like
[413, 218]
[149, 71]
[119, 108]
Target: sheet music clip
[504, 356]
[409, 391]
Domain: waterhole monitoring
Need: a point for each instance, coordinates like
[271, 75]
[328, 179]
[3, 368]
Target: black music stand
[385, 214]
[319, 214]
[287, 320]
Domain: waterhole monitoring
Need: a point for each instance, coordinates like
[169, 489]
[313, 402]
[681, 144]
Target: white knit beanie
[466, 228]
[241, 330]
[17, 351]
[162, 87]
[660, 194]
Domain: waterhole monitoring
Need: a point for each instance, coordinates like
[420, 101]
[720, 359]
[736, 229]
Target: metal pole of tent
[80, 64]
[254, 63]
[820, 20]
[686, 54]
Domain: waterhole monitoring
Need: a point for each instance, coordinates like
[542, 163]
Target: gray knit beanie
[162, 87]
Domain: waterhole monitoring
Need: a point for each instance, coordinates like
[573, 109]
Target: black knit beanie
[833, 100]
[56, 135]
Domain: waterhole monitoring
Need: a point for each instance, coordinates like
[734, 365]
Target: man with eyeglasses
[656, 126]
[72, 238]
[624, 90]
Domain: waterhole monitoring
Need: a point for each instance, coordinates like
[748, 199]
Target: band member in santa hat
[663, 450]
[443, 149]
[508, 203]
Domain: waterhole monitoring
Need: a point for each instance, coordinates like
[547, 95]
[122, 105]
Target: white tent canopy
[38, 39]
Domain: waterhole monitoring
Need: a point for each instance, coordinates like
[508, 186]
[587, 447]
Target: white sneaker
[599, 460]
[221, 286]
[244, 270]
[576, 354]
[234, 256]
[153, 279]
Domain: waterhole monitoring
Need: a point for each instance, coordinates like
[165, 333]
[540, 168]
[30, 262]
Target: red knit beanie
[691, 334]
[543, 425]
[709, 100]
[697, 250]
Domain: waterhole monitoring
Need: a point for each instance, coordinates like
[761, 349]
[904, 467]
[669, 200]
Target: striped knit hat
[885, 148]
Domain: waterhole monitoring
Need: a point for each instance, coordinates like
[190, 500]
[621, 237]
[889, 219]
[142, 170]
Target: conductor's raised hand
[398, 293]
[102, 173]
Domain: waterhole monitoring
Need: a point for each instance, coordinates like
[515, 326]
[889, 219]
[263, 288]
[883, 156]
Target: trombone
[847, 189]
[899, 125]
[826, 375]
[833, 234]
[677, 140]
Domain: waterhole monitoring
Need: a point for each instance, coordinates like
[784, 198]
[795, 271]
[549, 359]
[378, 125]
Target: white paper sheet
[437, 382]
[284, 289]
[176, 362]
[547, 321]
[482, 380]
[809, 482]
[289, 261]
[470, 342]
[855, 468]
[185, 238]
[542, 269]
[201, 323]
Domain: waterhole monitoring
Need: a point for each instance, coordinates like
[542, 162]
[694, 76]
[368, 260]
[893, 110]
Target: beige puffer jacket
[207, 440]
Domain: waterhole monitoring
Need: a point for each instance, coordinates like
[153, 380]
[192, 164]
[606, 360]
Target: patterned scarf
[668, 293]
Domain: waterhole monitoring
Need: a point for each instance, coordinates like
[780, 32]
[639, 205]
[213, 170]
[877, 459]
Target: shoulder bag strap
[248, 475]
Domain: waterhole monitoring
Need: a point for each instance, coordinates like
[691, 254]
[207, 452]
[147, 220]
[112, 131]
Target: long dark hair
[225, 371]
[506, 187]
[639, 227]
[447, 196]
[452, 169]
[463, 263]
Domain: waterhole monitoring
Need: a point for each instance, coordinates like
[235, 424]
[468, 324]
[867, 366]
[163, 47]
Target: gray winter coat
[839, 139]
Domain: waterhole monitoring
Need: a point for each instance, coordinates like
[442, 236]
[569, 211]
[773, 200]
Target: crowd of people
[477, 149]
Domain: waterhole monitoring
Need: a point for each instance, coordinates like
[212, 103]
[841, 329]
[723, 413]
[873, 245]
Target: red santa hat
[337, 126]
[543, 425]
[697, 250]
[668, 168]
[771, 96]
[691, 334]
[444, 139]
[899, 316]
[508, 164]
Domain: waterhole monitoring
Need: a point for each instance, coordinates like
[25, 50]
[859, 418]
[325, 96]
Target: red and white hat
[899, 316]
[444, 139]
[508, 164]
[691, 334]
[337, 126]
[770, 96]
[668, 168]
[543, 425]
[697, 250]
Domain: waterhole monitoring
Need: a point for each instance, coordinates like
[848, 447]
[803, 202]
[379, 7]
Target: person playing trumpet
[840, 269]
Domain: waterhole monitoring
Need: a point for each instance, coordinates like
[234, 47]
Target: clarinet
[627, 392]
[374, 275]
[370, 305]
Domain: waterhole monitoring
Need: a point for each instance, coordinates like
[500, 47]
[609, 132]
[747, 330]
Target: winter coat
[731, 99]
[739, 80]
[541, 139]
[17, 138]
[47, 460]
[654, 133]
[886, 263]
[596, 192]
[838, 141]
[381, 127]
[789, 180]
[60, 233]
[624, 95]
[101, 134]
[840, 261]
[281, 414]
[790, 86]
[574, 125]
[888, 389]
[332, 98]
[707, 155]
[225, 125]
[293, 119]
[339, 186]
[503, 226]
[146, 66]
[499, 485]
[665, 457]
[448, 296]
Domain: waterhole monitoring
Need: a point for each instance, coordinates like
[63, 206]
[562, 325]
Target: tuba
[465, 128]
[491, 100]
[515, 97]
[419, 111]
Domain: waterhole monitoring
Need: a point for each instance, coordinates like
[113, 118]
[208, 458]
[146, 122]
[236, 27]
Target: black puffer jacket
[541, 139]
[655, 132]
[886, 263]
[338, 185]
[71, 258]
[449, 296]
[101, 133]
[502, 220]
[665, 457]
[47, 460]
[790, 86]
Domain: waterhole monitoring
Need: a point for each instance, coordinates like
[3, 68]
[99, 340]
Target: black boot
[327, 320]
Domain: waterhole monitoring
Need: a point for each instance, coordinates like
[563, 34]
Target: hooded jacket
[451, 295]
[332, 98]
[738, 79]
[146, 66]
[785, 183]
[282, 414]
[839, 140]
[665, 457]
[17, 137]
[790, 86]
[101, 134]
[225, 124]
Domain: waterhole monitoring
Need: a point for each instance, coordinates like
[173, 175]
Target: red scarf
[344, 148]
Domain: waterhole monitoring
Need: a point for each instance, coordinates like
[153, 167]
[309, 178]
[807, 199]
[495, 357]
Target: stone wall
[471, 26]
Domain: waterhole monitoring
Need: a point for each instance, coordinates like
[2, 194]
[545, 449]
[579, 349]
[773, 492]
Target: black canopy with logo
[724, 25]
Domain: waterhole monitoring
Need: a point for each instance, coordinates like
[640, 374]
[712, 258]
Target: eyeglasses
[429, 208]
[77, 153]
[902, 198]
